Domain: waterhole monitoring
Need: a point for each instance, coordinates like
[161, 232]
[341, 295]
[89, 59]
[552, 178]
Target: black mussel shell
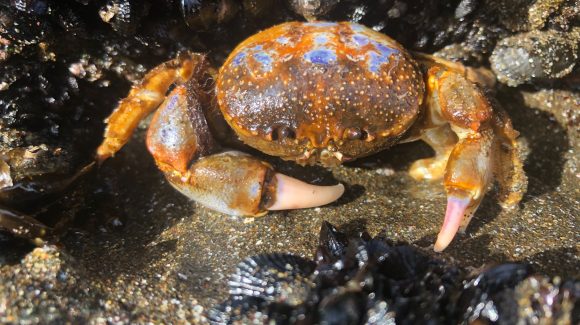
[342, 308]
[332, 244]
[253, 310]
[279, 278]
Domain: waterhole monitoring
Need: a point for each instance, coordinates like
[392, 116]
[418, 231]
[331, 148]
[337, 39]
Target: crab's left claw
[474, 146]
[458, 210]
[467, 177]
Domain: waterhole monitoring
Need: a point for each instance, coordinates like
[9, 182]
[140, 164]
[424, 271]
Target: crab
[319, 93]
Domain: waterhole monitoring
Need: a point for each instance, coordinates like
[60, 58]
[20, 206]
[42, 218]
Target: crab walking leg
[509, 169]
[473, 155]
[145, 97]
[442, 140]
[231, 182]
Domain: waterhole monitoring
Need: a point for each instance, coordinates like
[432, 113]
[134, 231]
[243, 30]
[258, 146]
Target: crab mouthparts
[324, 157]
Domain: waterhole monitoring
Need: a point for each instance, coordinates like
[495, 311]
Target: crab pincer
[474, 145]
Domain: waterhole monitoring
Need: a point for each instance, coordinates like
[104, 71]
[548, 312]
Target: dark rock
[313, 9]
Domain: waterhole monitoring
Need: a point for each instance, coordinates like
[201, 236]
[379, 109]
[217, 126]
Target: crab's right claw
[235, 183]
[145, 97]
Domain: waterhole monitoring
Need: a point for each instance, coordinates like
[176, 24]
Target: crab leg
[144, 98]
[480, 147]
[184, 149]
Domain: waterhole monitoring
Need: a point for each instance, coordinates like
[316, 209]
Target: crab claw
[235, 183]
[457, 209]
[295, 194]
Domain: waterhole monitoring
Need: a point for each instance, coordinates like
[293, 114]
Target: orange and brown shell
[320, 92]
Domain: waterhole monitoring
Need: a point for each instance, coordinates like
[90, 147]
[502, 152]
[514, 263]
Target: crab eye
[353, 133]
[364, 135]
[286, 132]
[281, 133]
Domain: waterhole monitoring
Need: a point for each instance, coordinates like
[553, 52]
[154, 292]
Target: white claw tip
[295, 194]
[456, 208]
[441, 244]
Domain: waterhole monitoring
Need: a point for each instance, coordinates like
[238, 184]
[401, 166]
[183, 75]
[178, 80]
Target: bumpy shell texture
[310, 89]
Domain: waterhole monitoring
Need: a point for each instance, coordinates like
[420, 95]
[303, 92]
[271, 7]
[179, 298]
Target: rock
[527, 57]
[43, 288]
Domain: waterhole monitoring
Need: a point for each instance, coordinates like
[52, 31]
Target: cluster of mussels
[367, 280]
